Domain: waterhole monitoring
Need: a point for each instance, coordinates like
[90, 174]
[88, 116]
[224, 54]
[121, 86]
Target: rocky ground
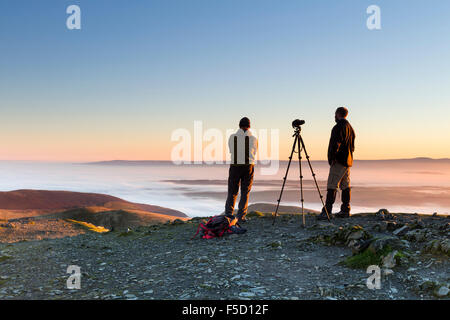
[285, 261]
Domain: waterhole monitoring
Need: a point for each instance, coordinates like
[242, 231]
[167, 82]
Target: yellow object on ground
[90, 226]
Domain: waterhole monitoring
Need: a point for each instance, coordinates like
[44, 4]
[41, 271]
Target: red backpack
[217, 226]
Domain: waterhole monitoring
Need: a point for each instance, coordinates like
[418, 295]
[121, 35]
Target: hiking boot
[341, 214]
[323, 216]
[331, 197]
[241, 218]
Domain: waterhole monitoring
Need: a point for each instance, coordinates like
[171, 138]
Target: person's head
[244, 124]
[341, 113]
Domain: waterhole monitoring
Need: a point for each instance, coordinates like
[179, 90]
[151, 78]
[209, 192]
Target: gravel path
[161, 262]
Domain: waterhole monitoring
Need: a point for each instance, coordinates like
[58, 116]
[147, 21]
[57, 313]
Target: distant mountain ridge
[42, 214]
[165, 162]
[54, 201]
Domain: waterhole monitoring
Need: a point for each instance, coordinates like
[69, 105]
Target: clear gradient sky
[137, 70]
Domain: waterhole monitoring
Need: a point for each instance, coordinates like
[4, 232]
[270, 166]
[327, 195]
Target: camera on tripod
[297, 123]
[299, 144]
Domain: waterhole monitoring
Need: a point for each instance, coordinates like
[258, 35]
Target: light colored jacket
[237, 145]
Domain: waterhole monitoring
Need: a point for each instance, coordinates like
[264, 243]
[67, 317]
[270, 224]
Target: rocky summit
[282, 261]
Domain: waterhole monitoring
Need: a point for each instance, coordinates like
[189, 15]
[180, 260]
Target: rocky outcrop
[438, 246]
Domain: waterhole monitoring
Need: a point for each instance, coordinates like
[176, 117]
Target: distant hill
[38, 202]
[271, 207]
[117, 219]
[41, 214]
[168, 162]
[130, 162]
[418, 159]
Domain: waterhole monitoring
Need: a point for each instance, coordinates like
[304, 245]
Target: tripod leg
[301, 179]
[285, 177]
[314, 176]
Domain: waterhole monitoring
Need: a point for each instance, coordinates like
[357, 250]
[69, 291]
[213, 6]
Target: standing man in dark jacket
[340, 158]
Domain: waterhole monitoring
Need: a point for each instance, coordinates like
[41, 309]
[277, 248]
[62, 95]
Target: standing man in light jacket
[340, 159]
[243, 147]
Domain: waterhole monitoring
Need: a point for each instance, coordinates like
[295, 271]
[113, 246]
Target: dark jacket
[342, 144]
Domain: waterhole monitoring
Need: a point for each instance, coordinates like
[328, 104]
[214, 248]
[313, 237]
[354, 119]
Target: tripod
[298, 142]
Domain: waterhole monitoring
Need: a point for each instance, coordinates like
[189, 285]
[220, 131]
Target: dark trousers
[243, 175]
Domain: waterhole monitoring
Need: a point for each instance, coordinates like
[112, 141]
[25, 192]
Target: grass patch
[256, 214]
[126, 233]
[89, 226]
[4, 258]
[366, 258]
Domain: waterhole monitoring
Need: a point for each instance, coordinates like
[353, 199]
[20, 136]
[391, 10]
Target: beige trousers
[339, 177]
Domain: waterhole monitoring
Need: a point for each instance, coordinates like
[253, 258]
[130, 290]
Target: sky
[138, 70]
